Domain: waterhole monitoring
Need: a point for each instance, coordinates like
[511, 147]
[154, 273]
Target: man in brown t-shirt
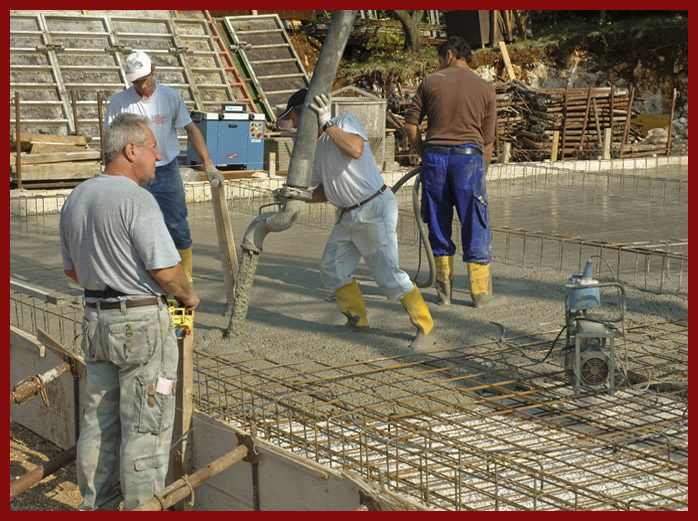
[461, 112]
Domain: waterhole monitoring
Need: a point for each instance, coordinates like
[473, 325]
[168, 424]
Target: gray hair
[124, 128]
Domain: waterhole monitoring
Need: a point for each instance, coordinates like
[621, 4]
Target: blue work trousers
[168, 190]
[458, 180]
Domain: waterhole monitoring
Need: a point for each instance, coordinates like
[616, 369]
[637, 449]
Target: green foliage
[385, 44]
[553, 26]
[395, 58]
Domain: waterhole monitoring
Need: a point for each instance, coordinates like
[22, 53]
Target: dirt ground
[56, 492]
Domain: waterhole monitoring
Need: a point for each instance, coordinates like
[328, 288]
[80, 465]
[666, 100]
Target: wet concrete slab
[291, 316]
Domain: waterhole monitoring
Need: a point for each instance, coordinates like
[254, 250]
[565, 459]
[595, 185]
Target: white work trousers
[369, 232]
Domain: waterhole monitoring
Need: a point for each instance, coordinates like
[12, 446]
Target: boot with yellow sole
[352, 304]
[420, 317]
[186, 263]
[444, 280]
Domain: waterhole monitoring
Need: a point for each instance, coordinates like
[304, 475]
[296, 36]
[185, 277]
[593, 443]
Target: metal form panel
[56, 56]
[266, 51]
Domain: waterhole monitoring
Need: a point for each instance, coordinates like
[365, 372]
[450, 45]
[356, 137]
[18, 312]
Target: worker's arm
[349, 144]
[173, 281]
[72, 274]
[487, 154]
[198, 142]
[415, 138]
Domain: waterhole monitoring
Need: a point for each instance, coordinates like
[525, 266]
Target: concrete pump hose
[300, 167]
[421, 225]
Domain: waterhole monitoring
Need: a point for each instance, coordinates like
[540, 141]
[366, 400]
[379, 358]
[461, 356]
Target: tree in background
[411, 22]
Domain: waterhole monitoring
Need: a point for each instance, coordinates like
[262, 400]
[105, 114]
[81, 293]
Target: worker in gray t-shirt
[116, 246]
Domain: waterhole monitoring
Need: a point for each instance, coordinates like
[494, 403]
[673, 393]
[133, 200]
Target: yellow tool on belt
[182, 319]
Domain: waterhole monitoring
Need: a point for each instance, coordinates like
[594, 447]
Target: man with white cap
[345, 174]
[167, 112]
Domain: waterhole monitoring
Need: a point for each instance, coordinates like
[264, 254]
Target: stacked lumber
[530, 118]
[49, 160]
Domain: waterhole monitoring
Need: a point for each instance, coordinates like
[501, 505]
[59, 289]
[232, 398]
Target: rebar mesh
[483, 427]
[658, 266]
[63, 321]
[492, 426]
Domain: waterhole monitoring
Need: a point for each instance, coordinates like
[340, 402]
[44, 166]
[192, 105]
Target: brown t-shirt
[460, 106]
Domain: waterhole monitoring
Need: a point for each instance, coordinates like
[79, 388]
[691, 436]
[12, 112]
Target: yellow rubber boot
[421, 319]
[444, 280]
[351, 303]
[480, 284]
[186, 263]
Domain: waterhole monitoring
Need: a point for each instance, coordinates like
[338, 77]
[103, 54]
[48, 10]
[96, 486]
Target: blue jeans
[124, 446]
[168, 190]
[456, 180]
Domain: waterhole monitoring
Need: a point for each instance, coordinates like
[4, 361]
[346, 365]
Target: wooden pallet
[50, 158]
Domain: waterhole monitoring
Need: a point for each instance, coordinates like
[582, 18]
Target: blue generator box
[234, 138]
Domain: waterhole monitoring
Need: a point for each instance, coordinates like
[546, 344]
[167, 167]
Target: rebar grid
[489, 426]
[62, 321]
[648, 179]
[661, 266]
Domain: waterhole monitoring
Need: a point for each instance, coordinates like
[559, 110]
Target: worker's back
[112, 232]
[460, 107]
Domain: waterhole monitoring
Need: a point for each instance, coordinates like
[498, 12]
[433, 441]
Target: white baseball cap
[138, 66]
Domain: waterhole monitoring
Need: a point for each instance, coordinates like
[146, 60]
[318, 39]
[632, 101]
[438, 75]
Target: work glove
[213, 173]
[321, 106]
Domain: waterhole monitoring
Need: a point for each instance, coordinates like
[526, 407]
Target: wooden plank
[55, 157]
[226, 243]
[556, 144]
[47, 148]
[50, 171]
[231, 175]
[180, 457]
[507, 60]
[49, 138]
[607, 142]
[33, 291]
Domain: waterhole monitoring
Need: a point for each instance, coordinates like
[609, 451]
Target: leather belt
[350, 208]
[453, 150]
[135, 303]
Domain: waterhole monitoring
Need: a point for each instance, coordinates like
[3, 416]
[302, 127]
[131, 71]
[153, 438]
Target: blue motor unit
[234, 138]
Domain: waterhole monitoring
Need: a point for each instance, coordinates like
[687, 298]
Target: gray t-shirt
[113, 232]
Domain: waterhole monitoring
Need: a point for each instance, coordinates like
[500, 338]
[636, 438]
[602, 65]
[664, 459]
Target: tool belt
[350, 208]
[453, 150]
[135, 303]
